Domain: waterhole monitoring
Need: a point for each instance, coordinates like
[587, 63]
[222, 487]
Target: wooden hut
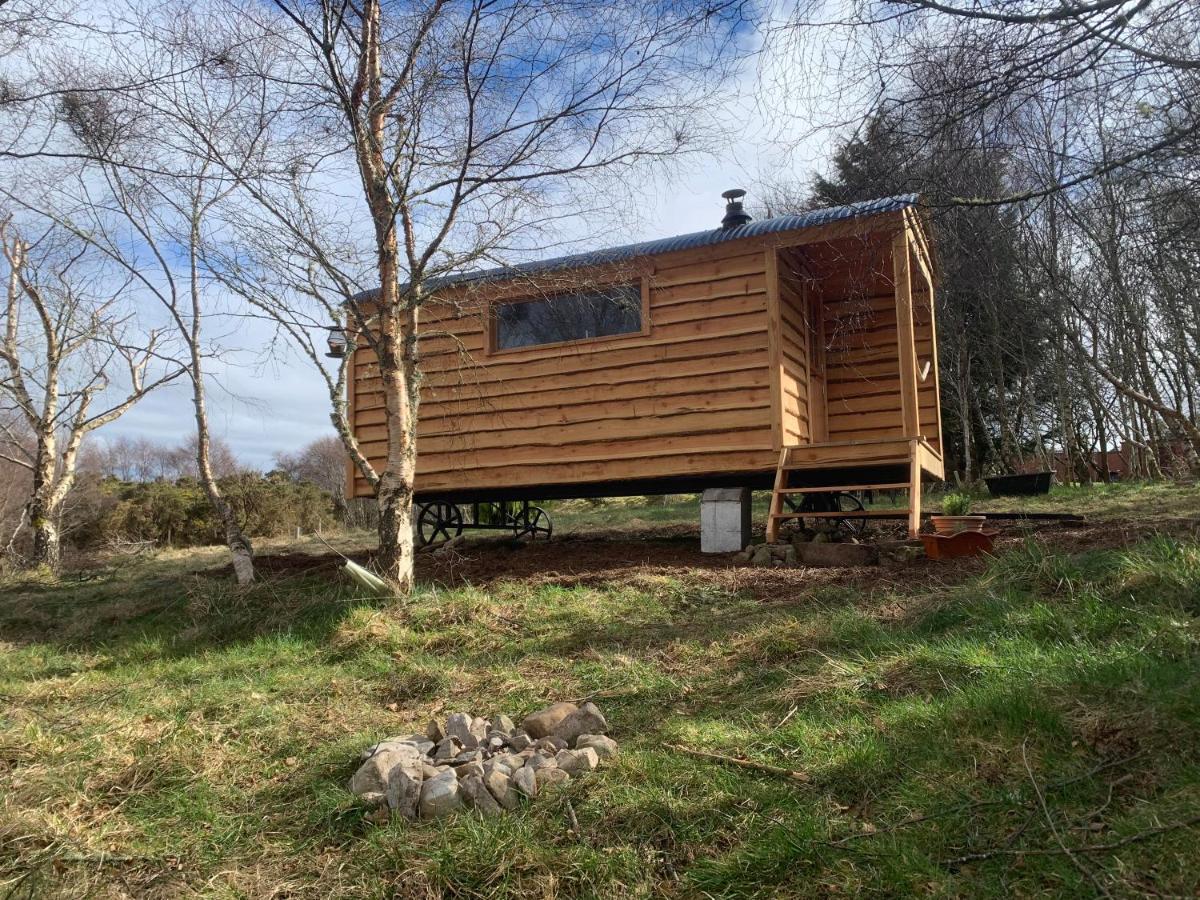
[796, 353]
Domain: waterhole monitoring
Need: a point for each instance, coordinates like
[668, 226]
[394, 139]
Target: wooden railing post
[776, 507]
[774, 346]
[914, 488]
[905, 339]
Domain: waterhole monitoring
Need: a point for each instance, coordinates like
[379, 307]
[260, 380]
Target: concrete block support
[724, 520]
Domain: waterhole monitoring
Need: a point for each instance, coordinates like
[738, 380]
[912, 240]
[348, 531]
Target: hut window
[576, 316]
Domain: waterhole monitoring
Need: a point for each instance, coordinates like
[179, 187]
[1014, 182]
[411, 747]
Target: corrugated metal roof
[687, 241]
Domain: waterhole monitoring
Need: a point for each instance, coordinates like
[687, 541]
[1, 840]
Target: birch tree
[456, 134]
[74, 361]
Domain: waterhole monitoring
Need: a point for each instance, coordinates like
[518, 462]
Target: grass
[163, 733]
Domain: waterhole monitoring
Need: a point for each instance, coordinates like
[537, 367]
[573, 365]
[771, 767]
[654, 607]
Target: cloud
[262, 409]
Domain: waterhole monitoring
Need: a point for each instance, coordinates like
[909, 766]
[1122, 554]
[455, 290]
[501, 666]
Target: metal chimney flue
[735, 215]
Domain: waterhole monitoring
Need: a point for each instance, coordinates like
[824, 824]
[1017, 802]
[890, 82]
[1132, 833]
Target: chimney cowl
[735, 215]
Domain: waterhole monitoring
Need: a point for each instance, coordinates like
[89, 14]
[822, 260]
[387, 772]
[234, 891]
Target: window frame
[493, 320]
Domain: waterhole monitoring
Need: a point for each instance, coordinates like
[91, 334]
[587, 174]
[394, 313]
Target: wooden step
[843, 489]
[854, 514]
[848, 464]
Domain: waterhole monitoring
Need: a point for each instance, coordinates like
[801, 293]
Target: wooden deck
[836, 466]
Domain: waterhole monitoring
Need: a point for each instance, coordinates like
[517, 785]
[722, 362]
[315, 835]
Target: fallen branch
[1087, 848]
[742, 763]
[1075, 860]
[573, 819]
[980, 804]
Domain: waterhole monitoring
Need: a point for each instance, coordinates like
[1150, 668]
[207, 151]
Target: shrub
[178, 513]
[956, 505]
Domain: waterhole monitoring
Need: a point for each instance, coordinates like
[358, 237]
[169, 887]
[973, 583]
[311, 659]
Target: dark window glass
[578, 316]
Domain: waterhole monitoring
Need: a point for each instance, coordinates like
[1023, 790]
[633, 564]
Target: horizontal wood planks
[691, 396]
[706, 388]
[862, 353]
[793, 341]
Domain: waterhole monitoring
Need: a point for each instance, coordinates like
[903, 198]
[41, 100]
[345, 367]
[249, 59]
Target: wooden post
[904, 335]
[776, 507]
[914, 489]
[774, 346]
[927, 273]
[818, 406]
[351, 417]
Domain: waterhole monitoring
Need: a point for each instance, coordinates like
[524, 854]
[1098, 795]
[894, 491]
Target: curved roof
[691, 241]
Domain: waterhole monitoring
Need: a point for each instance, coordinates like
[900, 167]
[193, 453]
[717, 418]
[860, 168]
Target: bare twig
[792, 774]
[1087, 848]
[1075, 861]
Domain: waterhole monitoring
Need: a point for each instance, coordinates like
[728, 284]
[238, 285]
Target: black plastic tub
[1020, 485]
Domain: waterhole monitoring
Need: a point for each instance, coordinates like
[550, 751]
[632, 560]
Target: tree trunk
[397, 482]
[47, 549]
[239, 545]
[396, 348]
[40, 511]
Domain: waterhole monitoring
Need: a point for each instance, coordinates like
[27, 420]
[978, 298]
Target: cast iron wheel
[439, 521]
[836, 501]
[539, 525]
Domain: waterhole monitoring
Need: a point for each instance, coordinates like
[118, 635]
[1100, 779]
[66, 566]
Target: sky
[263, 408]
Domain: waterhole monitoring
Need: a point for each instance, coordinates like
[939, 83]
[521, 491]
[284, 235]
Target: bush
[179, 514]
[956, 505]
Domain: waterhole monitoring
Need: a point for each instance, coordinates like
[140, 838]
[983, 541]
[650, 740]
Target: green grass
[163, 733]
[1146, 503]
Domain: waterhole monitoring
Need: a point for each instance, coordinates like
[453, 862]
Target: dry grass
[163, 734]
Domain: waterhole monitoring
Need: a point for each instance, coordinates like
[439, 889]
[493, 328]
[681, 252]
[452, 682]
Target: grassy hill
[1025, 725]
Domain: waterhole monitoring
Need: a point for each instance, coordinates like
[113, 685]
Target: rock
[496, 765]
[467, 756]
[801, 537]
[538, 761]
[472, 768]
[826, 554]
[417, 742]
[477, 796]
[404, 790]
[440, 796]
[503, 724]
[525, 781]
[501, 787]
[373, 798]
[821, 537]
[495, 743]
[430, 771]
[762, 556]
[433, 731]
[519, 740]
[553, 744]
[372, 775]
[512, 760]
[586, 720]
[789, 556]
[577, 762]
[461, 727]
[542, 722]
[899, 553]
[605, 747]
[447, 748]
[550, 775]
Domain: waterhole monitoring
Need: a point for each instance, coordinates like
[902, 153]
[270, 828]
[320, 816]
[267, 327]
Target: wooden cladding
[744, 347]
[690, 394]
